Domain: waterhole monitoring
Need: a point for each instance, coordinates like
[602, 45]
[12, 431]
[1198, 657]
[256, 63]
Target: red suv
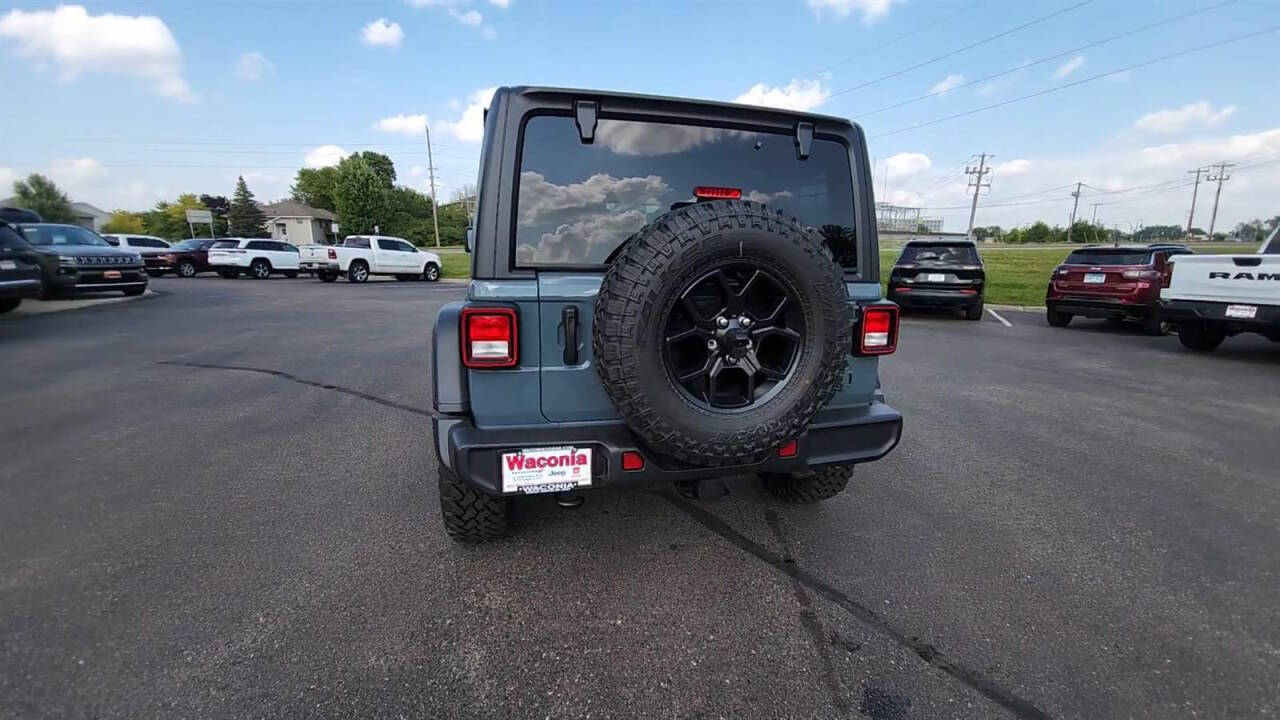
[190, 257]
[1116, 283]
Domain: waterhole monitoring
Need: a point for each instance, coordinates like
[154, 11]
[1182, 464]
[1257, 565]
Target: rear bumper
[318, 266]
[853, 435]
[1181, 311]
[934, 297]
[1101, 307]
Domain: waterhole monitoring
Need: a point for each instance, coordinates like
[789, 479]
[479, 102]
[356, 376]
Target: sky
[127, 103]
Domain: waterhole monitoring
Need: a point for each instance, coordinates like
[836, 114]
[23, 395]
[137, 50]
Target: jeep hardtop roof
[712, 107]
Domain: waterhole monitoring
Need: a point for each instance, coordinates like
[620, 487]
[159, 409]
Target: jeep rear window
[1108, 257]
[579, 202]
[959, 254]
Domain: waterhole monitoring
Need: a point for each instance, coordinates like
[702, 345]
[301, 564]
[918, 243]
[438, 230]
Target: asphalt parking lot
[221, 501]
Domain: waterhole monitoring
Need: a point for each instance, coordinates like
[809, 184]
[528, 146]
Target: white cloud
[407, 125]
[1204, 152]
[795, 95]
[488, 33]
[417, 171]
[324, 156]
[1013, 167]
[76, 42]
[1069, 67]
[501, 3]
[1194, 114]
[470, 18]
[948, 83]
[252, 66]
[584, 220]
[469, 126]
[871, 10]
[904, 165]
[382, 32]
[79, 171]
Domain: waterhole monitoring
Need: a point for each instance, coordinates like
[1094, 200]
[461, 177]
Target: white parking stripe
[996, 315]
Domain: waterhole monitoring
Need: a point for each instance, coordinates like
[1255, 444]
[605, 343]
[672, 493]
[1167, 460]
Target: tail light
[333, 254]
[1141, 274]
[1166, 277]
[1062, 272]
[879, 333]
[489, 336]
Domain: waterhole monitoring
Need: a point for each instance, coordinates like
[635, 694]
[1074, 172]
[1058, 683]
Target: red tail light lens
[489, 337]
[632, 461]
[1141, 274]
[333, 254]
[708, 192]
[789, 450]
[879, 335]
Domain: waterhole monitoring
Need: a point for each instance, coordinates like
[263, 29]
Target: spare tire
[720, 330]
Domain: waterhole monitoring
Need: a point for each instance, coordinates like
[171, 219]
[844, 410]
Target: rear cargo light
[789, 450]
[879, 334]
[333, 254]
[489, 337]
[708, 192]
[632, 461]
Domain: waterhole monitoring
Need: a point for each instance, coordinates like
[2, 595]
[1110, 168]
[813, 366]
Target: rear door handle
[570, 318]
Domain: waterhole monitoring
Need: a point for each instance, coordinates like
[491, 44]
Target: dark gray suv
[78, 260]
[662, 290]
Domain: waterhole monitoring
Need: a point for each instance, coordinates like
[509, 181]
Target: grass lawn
[455, 264]
[1019, 276]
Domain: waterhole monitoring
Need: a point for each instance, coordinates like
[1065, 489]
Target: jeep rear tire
[826, 482]
[750, 258]
[471, 516]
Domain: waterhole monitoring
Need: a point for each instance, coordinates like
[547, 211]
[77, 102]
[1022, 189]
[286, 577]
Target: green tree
[169, 219]
[381, 165]
[362, 197]
[410, 216]
[244, 217]
[1039, 233]
[316, 187]
[124, 221]
[40, 194]
[219, 205]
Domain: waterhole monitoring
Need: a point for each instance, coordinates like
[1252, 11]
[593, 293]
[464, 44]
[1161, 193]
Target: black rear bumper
[1102, 308]
[852, 435]
[1266, 321]
[925, 297]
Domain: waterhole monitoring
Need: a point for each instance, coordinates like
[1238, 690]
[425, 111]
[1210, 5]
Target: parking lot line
[996, 315]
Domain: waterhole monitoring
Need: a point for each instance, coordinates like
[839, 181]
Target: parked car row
[1161, 286]
[1208, 298]
[358, 258]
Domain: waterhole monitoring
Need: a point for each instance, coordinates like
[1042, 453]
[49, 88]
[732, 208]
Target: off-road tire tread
[676, 239]
[826, 482]
[471, 516]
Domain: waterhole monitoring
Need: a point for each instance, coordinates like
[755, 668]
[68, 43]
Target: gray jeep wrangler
[662, 290]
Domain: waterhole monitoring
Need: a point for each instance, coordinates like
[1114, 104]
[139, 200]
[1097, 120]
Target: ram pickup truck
[1212, 297]
[360, 256]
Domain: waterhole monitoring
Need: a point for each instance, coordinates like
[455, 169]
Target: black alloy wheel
[733, 337]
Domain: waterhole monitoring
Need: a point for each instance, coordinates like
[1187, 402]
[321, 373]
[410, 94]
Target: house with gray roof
[300, 224]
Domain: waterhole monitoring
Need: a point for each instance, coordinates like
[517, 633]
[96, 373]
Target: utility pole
[1074, 206]
[1095, 214]
[1194, 191]
[1221, 178]
[976, 182]
[431, 173]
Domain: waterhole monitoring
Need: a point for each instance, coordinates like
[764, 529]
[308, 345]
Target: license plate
[8, 265]
[1247, 312]
[111, 274]
[1095, 277]
[539, 470]
[935, 277]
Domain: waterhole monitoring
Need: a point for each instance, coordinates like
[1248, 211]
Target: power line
[1044, 60]
[1082, 81]
[970, 46]
[903, 36]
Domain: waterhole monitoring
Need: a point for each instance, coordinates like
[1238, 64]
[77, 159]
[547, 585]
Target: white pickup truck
[1211, 297]
[360, 256]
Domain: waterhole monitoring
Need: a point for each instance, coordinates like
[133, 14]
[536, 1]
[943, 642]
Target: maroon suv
[1120, 284]
[190, 257]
